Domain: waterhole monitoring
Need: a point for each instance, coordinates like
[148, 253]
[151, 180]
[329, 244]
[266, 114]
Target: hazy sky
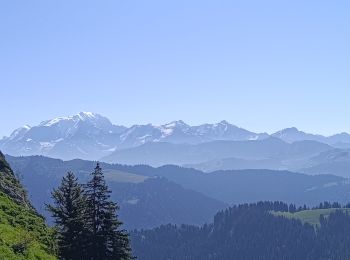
[262, 65]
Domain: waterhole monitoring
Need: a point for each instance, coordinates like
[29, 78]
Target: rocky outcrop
[10, 185]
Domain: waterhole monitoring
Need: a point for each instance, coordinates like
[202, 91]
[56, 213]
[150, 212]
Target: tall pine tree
[106, 240]
[69, 213]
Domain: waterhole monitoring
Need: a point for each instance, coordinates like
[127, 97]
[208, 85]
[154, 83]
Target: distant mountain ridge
[88, 135]
[145, 200]
[159, 153]
[292, 134]
[172, 194]
[91, 136]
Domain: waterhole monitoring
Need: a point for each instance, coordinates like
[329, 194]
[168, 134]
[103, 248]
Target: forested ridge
[251, 231]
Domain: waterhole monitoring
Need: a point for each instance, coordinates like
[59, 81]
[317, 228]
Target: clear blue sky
[262, 65]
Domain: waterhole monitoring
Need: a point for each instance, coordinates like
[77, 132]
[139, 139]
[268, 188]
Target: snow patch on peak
[19, 132]
[87, 115]
[55, 121]
[167, 131]
[22, 128]
[82, 116]
[178, 123]
[169, 128]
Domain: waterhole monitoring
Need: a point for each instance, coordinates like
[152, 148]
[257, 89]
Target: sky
[262, 65]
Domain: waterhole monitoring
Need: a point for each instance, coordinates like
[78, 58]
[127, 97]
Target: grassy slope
[309, 216]
[125, 177]
[23, 233]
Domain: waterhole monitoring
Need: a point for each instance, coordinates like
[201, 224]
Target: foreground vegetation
[86, 220]
[87, 225]
[23, 233]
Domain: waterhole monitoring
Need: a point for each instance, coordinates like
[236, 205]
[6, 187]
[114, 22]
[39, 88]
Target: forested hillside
[250, 232]
[145, 201]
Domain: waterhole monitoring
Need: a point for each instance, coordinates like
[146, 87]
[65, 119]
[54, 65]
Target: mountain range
[88, 135]
[207, 147]
[91, 136]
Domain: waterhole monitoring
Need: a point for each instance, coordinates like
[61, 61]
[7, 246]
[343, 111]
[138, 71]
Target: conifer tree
[69, 213]
[106, 239]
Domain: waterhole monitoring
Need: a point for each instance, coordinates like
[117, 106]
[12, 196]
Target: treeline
[86, 220]
[250, 231]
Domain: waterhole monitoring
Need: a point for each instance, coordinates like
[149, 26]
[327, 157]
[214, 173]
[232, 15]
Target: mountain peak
[287, 132]
[81, 116]
[177, 123]
[224, 122]
[19, 132]
[293, 134]
[87, 115]
[290, 130]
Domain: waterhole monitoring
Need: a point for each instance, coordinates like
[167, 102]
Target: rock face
[10, 185]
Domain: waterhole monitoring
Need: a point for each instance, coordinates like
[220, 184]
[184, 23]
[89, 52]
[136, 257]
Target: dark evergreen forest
[251, 231]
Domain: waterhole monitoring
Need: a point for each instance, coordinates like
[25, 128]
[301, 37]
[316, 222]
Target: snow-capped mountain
[88, 135]
[178, 132]
[225, 131]
[91, 136]
[84, 135]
